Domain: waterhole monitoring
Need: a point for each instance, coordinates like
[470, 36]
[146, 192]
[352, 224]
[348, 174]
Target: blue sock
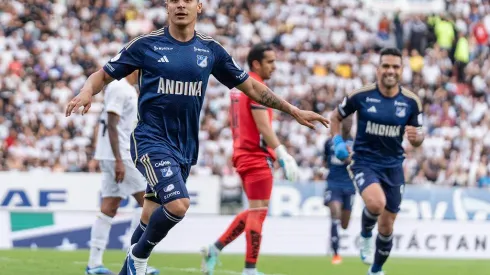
[368, 222]
[161, 221]
[334, 236]
[140, 229]
[383, 248]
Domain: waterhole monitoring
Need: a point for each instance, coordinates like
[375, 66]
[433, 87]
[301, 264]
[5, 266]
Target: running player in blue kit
[385, 112]
[340, 191]
[174, 65]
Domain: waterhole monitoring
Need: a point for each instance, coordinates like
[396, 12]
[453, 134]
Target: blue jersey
[381, 123]
[338, 177]
[173, 77]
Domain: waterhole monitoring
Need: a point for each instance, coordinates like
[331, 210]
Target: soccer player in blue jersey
[174, 65]
[340, 191]
[385, 112]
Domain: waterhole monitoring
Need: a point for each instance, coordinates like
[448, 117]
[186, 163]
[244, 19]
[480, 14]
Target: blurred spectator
[325, 49]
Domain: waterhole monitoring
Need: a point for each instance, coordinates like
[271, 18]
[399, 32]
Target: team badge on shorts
[202, 61]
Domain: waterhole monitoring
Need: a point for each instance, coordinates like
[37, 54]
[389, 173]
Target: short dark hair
[390, 51]
[257, 53]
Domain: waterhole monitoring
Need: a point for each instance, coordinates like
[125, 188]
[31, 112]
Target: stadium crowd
[325, 49]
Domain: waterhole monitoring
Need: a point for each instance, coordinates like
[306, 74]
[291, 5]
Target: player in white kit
[120, 178]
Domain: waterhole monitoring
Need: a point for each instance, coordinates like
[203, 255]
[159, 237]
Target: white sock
[99, 236]
[250, 271]
[135, 221]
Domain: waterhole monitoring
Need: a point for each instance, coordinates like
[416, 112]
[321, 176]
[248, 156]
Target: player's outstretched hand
[83, 99]
[307, 117]
[288, 163]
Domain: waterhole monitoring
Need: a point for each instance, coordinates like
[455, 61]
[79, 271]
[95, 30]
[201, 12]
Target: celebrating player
[339, 192]
[385, 112]
[255, 149]
[174, 65]
[120, 177]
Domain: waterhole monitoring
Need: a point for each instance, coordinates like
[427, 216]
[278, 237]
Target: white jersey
[122, 99]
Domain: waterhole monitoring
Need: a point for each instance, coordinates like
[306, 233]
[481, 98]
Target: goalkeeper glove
[340, 148]
[287, 163]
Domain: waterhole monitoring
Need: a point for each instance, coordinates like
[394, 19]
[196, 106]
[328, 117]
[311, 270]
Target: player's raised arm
[265, 96]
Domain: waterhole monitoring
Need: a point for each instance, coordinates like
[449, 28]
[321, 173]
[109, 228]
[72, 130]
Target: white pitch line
[186, 269]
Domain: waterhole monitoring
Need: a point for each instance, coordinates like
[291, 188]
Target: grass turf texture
[50, 262]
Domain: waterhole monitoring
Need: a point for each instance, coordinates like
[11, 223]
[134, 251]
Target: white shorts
[133, 181]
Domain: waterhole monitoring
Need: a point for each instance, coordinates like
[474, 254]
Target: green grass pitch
[51, 262]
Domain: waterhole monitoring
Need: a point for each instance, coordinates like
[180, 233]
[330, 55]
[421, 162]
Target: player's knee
[178, 207]
[335, 214]
[109, 208]
[258, 204]
[376, 206]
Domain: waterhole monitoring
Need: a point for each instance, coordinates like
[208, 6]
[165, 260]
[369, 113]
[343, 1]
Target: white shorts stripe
[150, 173]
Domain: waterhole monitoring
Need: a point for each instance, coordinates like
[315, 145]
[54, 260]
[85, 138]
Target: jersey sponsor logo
[401, 111]
[156, 48]
[169, 188]
[373, 100]
[196, 49]
[173, 87]
[174, 193]
[162, 163]
[202, 61]
[109, 66]
[241, 76]
[383, 130]
[398, 103]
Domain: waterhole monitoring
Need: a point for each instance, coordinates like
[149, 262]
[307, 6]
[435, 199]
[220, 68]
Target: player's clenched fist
[287, 163]
[83, 99]
[412, 133]
[307, 117]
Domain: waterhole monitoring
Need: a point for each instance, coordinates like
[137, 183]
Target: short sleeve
[348, 106]
[416, 118]
[129, 59]
[225, 69]
[114, 99]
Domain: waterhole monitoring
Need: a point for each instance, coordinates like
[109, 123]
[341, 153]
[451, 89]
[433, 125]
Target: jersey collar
[167, 34]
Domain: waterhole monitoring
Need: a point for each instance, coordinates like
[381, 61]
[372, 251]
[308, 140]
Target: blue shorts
[165, 176]
[391, 179]
[341, 194]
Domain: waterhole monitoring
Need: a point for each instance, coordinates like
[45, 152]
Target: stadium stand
[325, 49]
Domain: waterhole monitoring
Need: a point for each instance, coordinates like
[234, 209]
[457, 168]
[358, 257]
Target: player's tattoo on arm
[268, 98]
